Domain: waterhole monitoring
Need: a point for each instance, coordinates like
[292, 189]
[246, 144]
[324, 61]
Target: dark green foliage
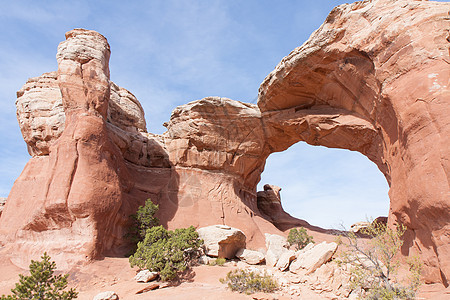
[249, 282]
[42, 284]
[167, 252]
[143, 220]
[160, 250]
[299, 238]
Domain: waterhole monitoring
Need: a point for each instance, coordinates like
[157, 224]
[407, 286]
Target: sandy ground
[115, 274]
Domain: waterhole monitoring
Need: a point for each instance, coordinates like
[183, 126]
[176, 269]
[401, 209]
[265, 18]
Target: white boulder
[285, 260]
[109, 295]
[250, 256]
[276, 245]
[221, 240]
[204, 260]
[308, 260]
[145, 276]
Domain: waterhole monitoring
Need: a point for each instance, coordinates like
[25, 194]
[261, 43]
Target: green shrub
[249, 282]
[141, 221]
[217, 262]
[299, 238]
[167, 252]
[42, 284]
[374, 264]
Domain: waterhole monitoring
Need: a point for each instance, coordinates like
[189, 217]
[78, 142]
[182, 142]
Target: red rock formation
[94, 163]
[269, 204]
[217, 149]
[373, 78]
[40, 113]
[68, 201]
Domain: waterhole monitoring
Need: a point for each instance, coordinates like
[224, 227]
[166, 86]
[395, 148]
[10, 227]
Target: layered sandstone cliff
[373, 78]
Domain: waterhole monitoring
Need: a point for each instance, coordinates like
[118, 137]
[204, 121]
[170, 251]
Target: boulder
[145, 276]
[221, 240]
[250, 256]
[150, 287]
[109, 295]
[308, 260]
[358, 226]
[276, 245]
[204, 260]
[285, 260]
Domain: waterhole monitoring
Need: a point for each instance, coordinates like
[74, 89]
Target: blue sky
[168, 53]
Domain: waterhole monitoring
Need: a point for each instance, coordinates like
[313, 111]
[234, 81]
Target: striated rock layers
[373, 78]
[269, 205]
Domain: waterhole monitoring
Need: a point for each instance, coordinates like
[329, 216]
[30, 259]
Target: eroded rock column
[70, 198]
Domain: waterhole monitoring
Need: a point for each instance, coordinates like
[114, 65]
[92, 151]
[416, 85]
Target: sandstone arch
[365, 82]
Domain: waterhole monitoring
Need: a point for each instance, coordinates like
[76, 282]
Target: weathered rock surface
[269, 204]
[330, 281]
[145, 276]
[373, 78]
[40, 112]
[215, 147]
[251, 257]
[109, 295]
[269, 200]
[276, 245]
[311, 258]
[285, 260]
[221, 240]
[99, 166]
[41, 115]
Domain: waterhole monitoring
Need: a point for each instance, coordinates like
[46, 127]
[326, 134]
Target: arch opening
[327, 187]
